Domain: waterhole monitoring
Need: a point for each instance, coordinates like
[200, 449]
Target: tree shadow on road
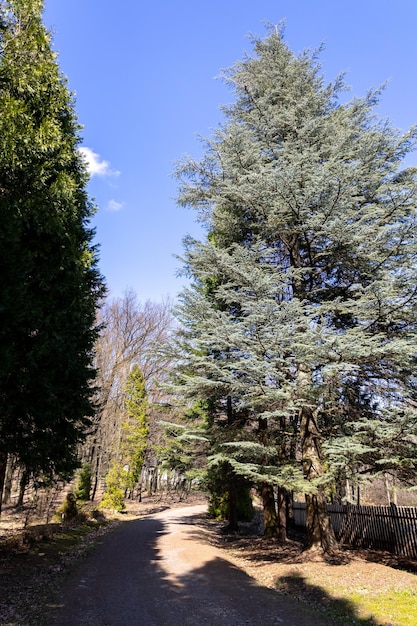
[127, 581]
[259, 605]
[258, 549]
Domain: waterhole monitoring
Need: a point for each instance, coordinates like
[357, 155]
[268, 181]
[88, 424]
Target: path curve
[161, 571]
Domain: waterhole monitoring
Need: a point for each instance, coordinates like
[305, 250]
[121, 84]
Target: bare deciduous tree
[132, 333]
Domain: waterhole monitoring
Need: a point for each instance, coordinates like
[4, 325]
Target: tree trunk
[289, 498]
[154, 481]
[282, 513]
[8, 481]
[24, 479]
[266, 491]
[95, 473]
[3, 466]
[233, 521]
[320, 533]
[271, 522]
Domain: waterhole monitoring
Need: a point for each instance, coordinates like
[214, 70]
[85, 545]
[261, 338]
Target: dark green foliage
[217, 482]
[49, 282]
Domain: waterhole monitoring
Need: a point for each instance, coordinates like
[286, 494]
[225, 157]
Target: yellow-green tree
[135, 428]
[114, 495]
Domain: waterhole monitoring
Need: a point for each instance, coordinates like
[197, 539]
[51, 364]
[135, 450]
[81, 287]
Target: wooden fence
[392, 528]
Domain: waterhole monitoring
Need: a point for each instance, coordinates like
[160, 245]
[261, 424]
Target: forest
[287, 367]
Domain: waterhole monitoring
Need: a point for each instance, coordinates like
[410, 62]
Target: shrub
[69, 509]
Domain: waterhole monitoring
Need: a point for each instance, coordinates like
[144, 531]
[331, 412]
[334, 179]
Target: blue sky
[144, 76]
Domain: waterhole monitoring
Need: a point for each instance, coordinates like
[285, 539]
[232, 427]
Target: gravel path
[161, 571]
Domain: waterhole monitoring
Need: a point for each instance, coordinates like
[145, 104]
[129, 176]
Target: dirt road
[161, 571]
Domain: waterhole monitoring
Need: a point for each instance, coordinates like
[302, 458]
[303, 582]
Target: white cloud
[112, 205]
[95, 165]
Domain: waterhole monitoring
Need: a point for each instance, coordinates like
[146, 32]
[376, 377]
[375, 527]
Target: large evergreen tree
[309, 324]
[49, 282]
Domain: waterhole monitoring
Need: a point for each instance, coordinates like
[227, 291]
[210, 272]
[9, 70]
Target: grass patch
[67, 538]
[398, 608]
[357, 605]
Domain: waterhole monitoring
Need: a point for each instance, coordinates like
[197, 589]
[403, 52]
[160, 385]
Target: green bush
[69, 509]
